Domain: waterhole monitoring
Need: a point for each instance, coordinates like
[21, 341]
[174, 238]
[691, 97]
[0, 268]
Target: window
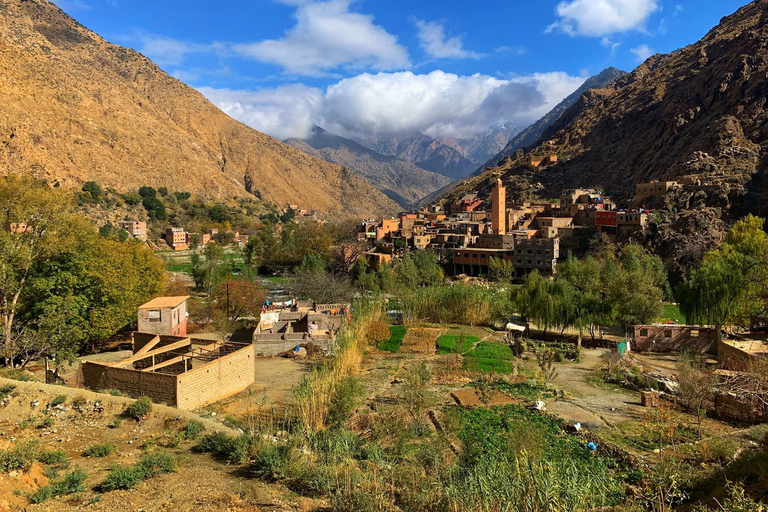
[643, 332]
[154, 315]
[667, 333]
[694, 333]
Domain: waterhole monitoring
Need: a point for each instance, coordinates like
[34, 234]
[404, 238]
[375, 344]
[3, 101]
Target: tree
[33, 219]
[501, 270]
[92, 188]
[208, 268]
[220, 213]
[696, 385]
[235, 299]
[730, 284]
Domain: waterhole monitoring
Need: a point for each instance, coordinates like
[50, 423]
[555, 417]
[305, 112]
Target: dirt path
[595, 407]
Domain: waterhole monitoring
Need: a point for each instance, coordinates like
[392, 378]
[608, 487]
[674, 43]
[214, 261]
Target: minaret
[499, 211]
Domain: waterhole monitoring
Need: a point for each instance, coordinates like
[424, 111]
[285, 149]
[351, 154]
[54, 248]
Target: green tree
[220, 213]
[501, 270]
[92, 188]
[209, 268]
[730, 285]
[33, 220]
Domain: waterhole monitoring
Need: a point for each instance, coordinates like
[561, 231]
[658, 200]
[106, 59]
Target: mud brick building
[165, 316]
[177, 371]
[675, 338]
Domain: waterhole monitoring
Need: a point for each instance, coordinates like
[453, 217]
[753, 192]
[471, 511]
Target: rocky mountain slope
[530, 135]
[76, 108]
[697, 115]
[443, 156]
[399, 180]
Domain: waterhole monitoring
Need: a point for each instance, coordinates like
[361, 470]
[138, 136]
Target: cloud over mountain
[439, 104]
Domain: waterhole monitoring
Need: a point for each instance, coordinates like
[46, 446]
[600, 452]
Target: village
[400, 362]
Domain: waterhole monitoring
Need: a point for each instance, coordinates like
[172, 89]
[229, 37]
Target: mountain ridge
[398, 179]
[108, 114]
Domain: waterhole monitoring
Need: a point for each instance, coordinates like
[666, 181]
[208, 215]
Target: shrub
[271, 461]
[153, 464]
[139, 409]
[7, 390]
[720, 449]
[53, 457]
[100, 450]
[233, 449]
[122, 477]
[41, 495]
[193, 430]
[58, 400]
[344, 400]
[20, 458]
[312, 480]
[47, 422]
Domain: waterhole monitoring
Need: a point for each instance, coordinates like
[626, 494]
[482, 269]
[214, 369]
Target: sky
[447, 68]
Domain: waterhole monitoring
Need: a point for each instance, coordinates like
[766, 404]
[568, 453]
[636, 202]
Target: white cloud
[287, 111]
[642, 52]
[166, 51]
[327, 37]
[433, 41]
[439, 104]
[596, 18]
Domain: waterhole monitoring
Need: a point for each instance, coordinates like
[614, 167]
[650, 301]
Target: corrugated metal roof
[164, 302]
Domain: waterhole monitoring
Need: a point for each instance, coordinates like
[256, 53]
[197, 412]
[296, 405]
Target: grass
[179, 267]
[128, 477]
[528, 390]
[73, 482]
[455, 343]
[672, 312]
[395, 341]
[489, 357]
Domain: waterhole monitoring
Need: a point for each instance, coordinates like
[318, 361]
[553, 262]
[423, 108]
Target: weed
[7, 390]
[25, 423]
[100, 450]
[153, 464]
[20, 458]
[395, 341]
[56, 457]
[122, 477]
[193, 430]
[139, 409]
[115, 392]
[346, 398]
[78, 402]
[58, 400]
[116, 422]
[46, 422]
[271, 462]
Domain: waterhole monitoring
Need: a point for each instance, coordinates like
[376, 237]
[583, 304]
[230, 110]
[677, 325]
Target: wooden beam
[169, 362]
[149, 346]
[173, 346]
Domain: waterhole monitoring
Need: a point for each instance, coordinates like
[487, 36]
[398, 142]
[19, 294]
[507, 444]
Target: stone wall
[733, 358]
[732, 407]
[216, 380]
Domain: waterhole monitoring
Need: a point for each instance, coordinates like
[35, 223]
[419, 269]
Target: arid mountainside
[443, 156]
[399, 180]
[530, 135]
[697, 115]
[76, 108]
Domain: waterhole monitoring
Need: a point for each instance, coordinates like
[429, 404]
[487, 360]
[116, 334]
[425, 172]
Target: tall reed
[313, 396]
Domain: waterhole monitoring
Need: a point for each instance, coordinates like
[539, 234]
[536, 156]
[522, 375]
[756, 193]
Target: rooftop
[164, 302]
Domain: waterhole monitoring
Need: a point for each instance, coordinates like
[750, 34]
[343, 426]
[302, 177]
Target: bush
[720, 449]
[6, 390]
[233, 449]
[139, 409]
[100, 450]
[153, 464]
[193, 430]
[20, 458]
[58, 400]
[47, 422]
[53, 457]
[344, 400]
[122, 477]
[271, 461]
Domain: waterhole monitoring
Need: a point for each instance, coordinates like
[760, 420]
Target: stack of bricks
[649, 398]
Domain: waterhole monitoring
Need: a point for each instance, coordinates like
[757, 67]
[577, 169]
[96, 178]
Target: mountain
[530, 135]
[399, 180]
[76, 108]
[697, 115]
[481, 147]
[443, 156]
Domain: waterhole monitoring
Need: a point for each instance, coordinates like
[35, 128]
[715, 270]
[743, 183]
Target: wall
[732, 407]
[159, 387]
[679, 341]
[733, 358]
[216, 380]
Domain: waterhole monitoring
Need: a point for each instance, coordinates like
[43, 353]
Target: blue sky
[392, 67]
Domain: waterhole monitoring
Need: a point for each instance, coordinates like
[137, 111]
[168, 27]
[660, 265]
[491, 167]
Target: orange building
[499, 209]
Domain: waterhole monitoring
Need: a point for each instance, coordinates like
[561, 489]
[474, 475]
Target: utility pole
[227, 300]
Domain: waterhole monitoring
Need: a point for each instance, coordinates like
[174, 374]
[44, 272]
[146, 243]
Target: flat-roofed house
[164, 316]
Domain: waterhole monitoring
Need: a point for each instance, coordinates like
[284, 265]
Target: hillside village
[197, 316]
